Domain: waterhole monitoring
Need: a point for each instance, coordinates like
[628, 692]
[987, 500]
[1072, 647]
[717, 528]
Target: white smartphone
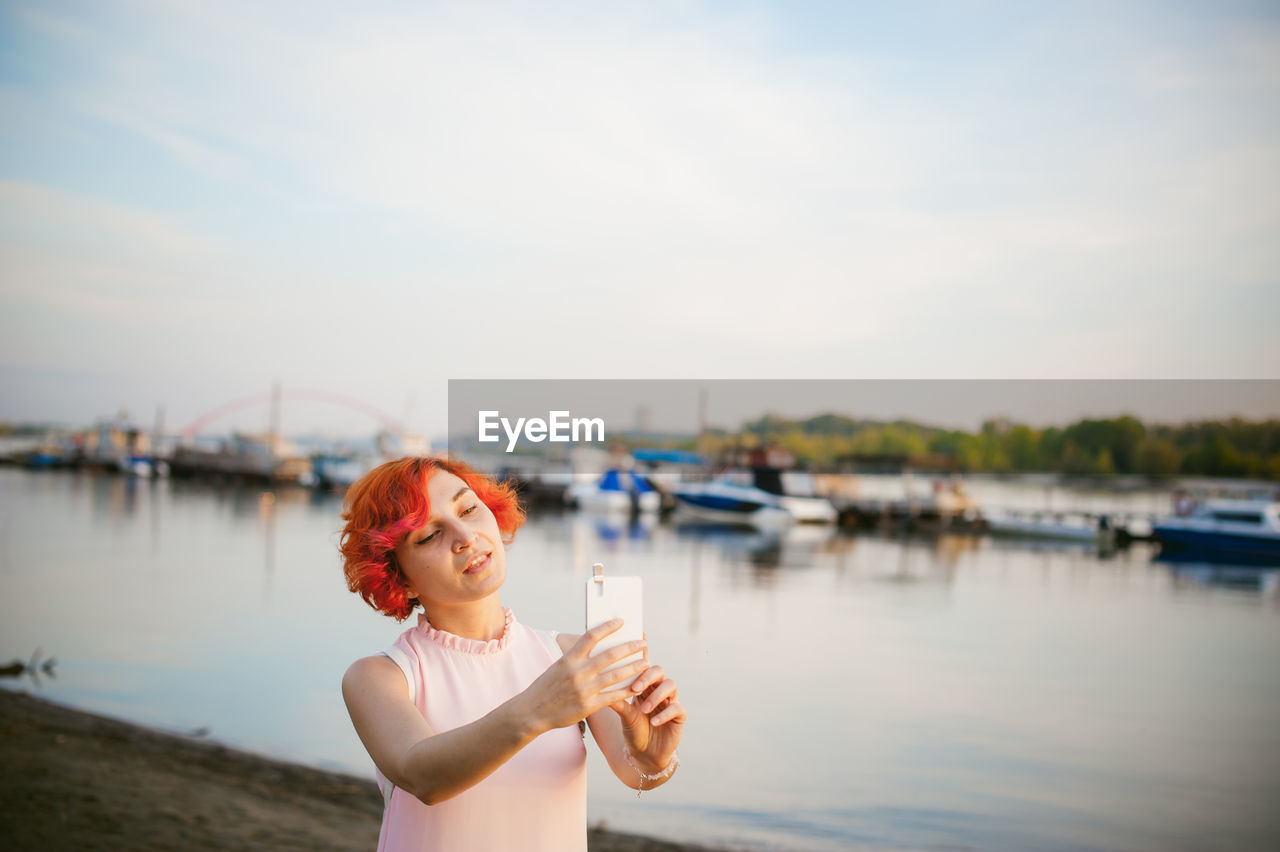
[615, 597]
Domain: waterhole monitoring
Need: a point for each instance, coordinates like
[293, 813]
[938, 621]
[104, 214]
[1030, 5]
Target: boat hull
[763, 517]
[810, 510]
[1033, 529]
[1217, 542]
[730, 504]
[1230, 528]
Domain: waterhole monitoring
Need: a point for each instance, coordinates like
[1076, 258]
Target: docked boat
[810, 510]
[753, 497]
[948, 507]
[615, 491]
[268, 458]
[1231, 528]
[1059, 526]
[797, 493]
[337, 471]
[724, 502]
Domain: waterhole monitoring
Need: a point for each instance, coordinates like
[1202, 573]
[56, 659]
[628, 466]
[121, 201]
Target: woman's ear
[410, 591]
[414, 603]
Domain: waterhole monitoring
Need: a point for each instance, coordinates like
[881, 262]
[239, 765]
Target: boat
[267, 458]
[337, 471]
[810, 510]
[53, 450]
[763, 501]
[948, 507]
[724, 502]
[118, 445]
[795, 492]
[1060, 526]
[1229, 528]
[614, 491]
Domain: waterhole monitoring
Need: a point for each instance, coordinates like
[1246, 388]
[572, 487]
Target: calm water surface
[844, 692]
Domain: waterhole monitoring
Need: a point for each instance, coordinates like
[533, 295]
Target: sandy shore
[72, 780]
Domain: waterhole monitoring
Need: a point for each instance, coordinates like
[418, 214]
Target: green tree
[1119, 436]
[1077, 460]
[1022, 446]
[1158, 458]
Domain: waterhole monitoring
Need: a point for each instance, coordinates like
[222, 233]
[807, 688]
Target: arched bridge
[388, 422]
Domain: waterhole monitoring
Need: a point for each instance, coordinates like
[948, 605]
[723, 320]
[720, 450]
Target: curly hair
[388, 503]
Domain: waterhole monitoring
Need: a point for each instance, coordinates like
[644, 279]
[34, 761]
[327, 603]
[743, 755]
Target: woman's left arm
[649, 728]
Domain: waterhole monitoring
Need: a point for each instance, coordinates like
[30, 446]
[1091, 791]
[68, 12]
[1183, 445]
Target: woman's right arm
[437, 766]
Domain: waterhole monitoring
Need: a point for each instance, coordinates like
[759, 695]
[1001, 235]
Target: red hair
[388, 503]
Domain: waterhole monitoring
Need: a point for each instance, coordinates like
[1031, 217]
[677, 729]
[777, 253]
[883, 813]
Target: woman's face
[458, 556]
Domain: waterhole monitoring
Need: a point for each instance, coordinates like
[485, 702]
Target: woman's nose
[462, 540]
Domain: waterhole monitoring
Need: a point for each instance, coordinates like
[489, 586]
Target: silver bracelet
[659, 776]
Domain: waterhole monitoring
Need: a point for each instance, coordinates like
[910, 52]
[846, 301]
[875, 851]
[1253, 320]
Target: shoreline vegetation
[1225, 448]
[75, 780]
[1229, 448]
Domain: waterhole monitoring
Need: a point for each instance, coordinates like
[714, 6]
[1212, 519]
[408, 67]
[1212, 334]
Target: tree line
[1088, 447]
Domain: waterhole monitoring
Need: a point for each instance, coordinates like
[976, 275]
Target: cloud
[34, 210]
[72, 256]
[726, 191]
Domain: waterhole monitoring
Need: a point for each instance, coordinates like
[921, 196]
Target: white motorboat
[1061, 526]
[799, 493]
[614, 491]
[810, 510]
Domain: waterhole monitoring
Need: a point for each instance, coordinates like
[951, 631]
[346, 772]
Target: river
[844, 691]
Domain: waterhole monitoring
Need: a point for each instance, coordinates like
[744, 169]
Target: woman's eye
[428, 538]
[470, 509]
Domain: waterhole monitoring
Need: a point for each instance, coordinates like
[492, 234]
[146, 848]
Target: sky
[200, 200]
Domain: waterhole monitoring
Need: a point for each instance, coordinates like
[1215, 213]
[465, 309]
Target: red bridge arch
[389, 422]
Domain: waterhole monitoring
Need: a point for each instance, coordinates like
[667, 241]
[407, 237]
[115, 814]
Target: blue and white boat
[1231, 528]
[615, 491]
[725, 502]
[758, 497]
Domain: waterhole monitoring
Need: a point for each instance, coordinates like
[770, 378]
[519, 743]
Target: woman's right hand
[576, 685]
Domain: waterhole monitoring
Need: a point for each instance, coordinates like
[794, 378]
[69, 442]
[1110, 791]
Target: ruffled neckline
[461, 643]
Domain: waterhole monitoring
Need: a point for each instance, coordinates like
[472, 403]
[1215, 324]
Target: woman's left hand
[653, 723]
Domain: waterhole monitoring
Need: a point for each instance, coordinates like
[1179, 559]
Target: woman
[471, 718]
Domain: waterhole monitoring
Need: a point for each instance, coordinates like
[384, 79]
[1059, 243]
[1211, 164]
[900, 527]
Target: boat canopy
[656, 456]
[613, 481]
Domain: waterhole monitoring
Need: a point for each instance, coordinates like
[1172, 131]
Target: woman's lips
[477, 565]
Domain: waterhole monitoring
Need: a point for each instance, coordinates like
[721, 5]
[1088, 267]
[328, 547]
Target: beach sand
[73, 780]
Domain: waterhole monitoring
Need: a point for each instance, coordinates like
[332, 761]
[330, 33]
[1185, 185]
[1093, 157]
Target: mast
[273, 434]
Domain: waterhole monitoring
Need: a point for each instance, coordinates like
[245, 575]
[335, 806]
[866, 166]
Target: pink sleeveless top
[537, 800]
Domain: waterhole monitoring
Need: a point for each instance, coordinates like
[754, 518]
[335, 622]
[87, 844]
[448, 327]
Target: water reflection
[950, 673]
[613, 527]
[33, 669]
[267, 517]
[1267, 582]
[1239, 572]
[788, 547]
